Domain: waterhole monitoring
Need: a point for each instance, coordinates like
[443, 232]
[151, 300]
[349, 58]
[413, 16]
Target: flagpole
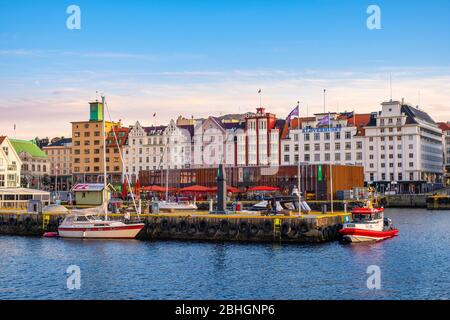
[331, 165]
[324, 101]
[298, 160]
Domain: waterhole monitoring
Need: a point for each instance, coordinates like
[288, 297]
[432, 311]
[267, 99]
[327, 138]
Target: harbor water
[414, 265]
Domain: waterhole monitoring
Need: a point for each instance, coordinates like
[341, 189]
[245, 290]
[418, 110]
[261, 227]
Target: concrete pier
[201, 226]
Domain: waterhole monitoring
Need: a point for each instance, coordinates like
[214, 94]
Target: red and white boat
[89, 226]
[368, 224]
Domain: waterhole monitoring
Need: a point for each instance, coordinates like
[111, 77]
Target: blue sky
[202, 57]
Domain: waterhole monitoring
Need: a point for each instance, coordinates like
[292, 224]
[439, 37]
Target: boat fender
[212, 230]
[285, 228]
[293, 232]
[173, 228]
[224, 226]
[303, 227]
[164, 224]
[243, 227]
[253, 230]
[183, 226]
[267, 226]
[192, 229]
[203, 226]
[233, 230]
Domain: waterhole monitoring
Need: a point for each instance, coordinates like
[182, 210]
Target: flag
[294, 112]
[325, 121]
[259, 91]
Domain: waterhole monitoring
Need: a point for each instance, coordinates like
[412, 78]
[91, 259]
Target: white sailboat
[87, 224]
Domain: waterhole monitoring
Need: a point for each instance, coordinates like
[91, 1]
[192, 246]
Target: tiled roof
[29, 147]
[444, 126]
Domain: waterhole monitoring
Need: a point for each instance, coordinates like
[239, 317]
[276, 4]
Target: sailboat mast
[104, 153]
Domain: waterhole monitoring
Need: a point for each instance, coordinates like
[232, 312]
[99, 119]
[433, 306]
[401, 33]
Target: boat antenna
[121, 159]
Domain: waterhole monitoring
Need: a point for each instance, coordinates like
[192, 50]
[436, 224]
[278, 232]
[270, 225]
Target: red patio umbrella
[195, 188]
[264, 188]
[154, 189]
[124, 189]
[229, 189]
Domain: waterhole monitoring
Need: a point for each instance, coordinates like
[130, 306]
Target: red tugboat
[368, 224]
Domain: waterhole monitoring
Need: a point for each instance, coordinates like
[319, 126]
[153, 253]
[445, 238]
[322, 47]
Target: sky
[200, 58]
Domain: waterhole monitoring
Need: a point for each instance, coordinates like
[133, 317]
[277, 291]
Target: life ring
[164, 225]
[285, 228]
[183, 226]
[202, 226]
[267, 226]
[243, 227]
[224, 226]
[253, 230]
[192, 229]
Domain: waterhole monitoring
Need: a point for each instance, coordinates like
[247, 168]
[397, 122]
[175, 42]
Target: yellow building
[87, 147]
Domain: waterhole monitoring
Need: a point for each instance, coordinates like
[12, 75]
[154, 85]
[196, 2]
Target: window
[337, 135]
[348, 135]
[327, 157]
[307, 147]
[317, 136]
[307, 157]
[306, 137]
[286, 148]
[317, 147]
[337, 157]
[286, 158]
[317, 157]
[348, 156]
[337, 146]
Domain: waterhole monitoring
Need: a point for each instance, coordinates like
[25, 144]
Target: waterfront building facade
[35, 169]
[404, 150]
[10, 165]
[333, 138]
[59, 152]
[87, 147]
[157, 147]
[445, 127]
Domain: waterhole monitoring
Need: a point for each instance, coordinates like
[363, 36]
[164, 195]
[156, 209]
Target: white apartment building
[340, 142]
[445, 127]
[156, 147]
[215, 142]
[10, 165]
[403, 148]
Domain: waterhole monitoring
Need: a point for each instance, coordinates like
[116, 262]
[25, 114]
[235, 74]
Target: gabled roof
[414, 113]
[28, 147]
[2, 138]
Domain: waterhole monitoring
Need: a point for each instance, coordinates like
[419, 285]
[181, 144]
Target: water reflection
[415, 265]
